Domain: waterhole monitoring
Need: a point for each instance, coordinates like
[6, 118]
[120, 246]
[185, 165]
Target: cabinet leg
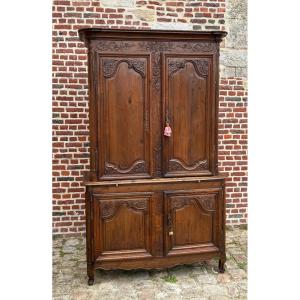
[91, 280]
[91, 274]
[222, 265]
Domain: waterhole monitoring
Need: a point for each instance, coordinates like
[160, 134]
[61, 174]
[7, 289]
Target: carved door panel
[193, 221]
[123, 225]
[124, 118]
[188, 98]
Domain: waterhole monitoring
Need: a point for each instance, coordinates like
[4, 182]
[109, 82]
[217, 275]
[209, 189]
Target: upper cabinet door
[189, 109]
[123, 122]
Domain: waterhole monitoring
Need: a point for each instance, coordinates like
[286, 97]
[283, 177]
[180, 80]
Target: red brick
[110, 10]
[163, 20]
[70, 103]
[174, 4]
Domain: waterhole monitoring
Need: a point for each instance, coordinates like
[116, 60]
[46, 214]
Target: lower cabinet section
[154, 224]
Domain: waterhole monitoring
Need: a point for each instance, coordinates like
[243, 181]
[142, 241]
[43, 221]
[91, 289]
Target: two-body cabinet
[154, 198]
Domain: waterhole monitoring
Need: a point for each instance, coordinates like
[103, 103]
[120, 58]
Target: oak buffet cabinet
[154, 198]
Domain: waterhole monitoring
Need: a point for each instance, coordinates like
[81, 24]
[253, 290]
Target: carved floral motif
[138, 66]
[153, 46]
[137, 167]
[207, 202]
[201, 65]
[180, 202]
[156, 48]
[114, 46]
[156, 70]
[198, 47]
[176, 165]
[110, 66]
[108, 208]
[174, 66]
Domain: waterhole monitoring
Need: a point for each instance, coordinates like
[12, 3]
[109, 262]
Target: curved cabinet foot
[91, 274]
[221, 265]
[91, 281]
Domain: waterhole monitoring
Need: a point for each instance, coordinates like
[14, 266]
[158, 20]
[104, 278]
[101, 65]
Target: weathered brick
[199, 21]
[233, 98]
[65, 178]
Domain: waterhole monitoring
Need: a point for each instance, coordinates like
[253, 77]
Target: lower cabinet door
[192, 221]
[123, 225]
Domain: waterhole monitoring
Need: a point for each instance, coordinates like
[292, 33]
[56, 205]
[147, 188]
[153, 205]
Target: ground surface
[199, 281]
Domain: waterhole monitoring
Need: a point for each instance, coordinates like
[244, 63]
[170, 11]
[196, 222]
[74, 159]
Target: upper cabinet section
[140, 80]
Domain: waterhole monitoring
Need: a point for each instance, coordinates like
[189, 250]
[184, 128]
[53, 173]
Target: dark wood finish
[131, 229]
[124, 225]
[192, 222]
[188, 93]
[153, 201]
[124, 125]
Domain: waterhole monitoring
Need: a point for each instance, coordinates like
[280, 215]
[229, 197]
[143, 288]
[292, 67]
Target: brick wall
[233, 146]
[70, 100]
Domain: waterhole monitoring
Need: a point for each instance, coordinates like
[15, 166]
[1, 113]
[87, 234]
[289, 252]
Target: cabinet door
[189, 100]
[124, 125]
[193, 221]
[124, 226]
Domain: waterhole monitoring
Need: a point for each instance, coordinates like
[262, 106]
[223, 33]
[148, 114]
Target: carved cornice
[156, 46]
[137, 167]
[177, 165]
[108, 208]
[113, 46]
[110, 66]
[198, 47]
